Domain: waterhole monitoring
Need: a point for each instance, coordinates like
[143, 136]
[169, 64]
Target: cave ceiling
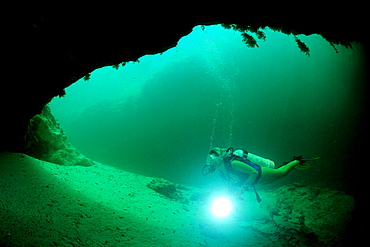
[47, 49]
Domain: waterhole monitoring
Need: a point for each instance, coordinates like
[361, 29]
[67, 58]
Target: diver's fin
[302, 167]
[311, 159]
[305, 163]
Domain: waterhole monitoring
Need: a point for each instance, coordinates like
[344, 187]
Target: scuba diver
[242, 169]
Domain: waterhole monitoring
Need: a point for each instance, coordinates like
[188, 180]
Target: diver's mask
[213, 161]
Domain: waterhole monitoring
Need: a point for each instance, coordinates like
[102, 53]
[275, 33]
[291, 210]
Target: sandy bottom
[43, 204]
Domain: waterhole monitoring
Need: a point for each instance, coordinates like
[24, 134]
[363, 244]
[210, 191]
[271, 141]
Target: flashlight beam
[221, 207]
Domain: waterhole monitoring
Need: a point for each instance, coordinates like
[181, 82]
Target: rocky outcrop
[47, 141]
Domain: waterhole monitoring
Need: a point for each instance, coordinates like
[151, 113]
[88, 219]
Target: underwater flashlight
[221, 207]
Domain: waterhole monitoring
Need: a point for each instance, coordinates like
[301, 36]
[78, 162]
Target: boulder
[47, 141]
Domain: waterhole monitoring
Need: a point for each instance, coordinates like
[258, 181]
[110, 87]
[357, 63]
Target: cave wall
[48, 48]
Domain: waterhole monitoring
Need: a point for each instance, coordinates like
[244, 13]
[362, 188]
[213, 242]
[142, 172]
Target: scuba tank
[260, 161]
[255, 158]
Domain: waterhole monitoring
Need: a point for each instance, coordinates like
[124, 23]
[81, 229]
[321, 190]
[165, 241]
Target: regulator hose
[211, 169]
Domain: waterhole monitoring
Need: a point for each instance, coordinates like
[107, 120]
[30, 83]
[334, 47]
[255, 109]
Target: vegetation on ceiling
[250, 35]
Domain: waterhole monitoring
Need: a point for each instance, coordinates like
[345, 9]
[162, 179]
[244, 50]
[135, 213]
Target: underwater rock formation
[47, 141]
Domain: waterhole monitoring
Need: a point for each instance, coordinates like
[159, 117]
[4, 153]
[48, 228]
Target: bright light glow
[221, 207]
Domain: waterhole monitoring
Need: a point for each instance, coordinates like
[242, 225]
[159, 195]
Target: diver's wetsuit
[242, 176]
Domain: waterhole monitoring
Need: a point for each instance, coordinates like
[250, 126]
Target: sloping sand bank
[44, 204]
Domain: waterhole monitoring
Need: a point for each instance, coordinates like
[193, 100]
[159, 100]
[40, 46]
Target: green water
[160, 116]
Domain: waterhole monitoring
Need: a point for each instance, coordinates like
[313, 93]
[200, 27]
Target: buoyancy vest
[242, 176]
